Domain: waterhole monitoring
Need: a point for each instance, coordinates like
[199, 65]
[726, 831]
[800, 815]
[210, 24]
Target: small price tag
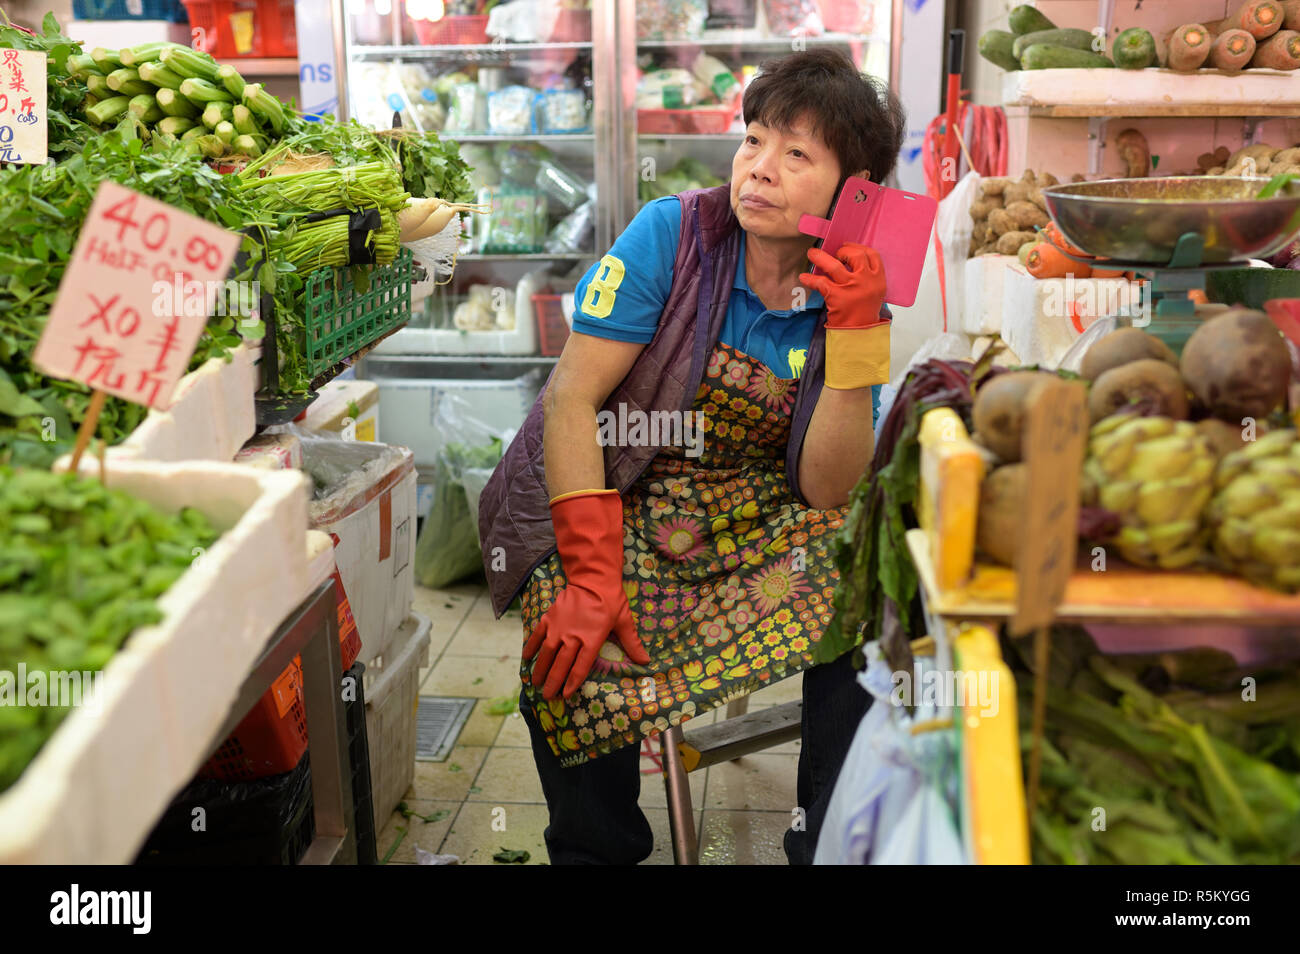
[1054, 438]
[24, 128]
[135, 297]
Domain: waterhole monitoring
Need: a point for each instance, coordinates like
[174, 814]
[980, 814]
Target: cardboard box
[349, 409]
[374, 537]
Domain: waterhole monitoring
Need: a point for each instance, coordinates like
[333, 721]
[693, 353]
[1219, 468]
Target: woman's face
[777, 176]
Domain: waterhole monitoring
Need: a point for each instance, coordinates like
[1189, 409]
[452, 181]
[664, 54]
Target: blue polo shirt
[634, 279]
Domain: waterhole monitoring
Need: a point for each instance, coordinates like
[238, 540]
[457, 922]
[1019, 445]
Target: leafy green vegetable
[65, 94]
[447, 548]
[40, 217]
[512, 856]
[504, 705]
[81, 567]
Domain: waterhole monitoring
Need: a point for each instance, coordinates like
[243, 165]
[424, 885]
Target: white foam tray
[1149, 87]
[212, 415]
[97, 788]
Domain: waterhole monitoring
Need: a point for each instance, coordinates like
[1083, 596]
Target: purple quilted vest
[514, 515]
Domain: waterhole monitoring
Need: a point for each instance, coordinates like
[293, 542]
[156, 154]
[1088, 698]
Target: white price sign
[24, 126]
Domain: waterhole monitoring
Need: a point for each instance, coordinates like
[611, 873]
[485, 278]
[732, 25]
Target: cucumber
[1025, 19]
[1134, 49]
[1073, 38]
[1043, 56]
[995, 46]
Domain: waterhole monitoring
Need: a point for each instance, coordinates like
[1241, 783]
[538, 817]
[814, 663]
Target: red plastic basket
[552, 329]
[572, 26]
[273, 736]
[844, 16]
[671, 122]
[451, 31]
[275, 32]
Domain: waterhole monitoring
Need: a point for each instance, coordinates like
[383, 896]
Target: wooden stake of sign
[1053, 440]
[88, 426]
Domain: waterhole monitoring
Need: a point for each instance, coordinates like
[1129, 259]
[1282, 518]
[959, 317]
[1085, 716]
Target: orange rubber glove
[857, 338]
[568, 637]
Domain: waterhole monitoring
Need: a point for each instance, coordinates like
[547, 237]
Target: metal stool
[742, 733]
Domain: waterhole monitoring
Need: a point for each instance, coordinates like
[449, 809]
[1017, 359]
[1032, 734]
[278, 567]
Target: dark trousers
[595, 818]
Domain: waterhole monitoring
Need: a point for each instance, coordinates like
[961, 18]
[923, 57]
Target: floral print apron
[729, 578]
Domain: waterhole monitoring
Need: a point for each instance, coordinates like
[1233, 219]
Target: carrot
[1260, 18]
[1197, 296]
[1053, 233]
[1047, 261]
[1107, 273]
[1291, 14]
[1189, 47]
[1281, 51]
[1232, 50]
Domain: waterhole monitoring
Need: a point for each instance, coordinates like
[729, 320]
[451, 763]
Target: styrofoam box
[1153, 86]
[96, 789]
[115, 34]
[211, 417]
[982, 297]
[375, 554]
[1041, 318]
[392, 691]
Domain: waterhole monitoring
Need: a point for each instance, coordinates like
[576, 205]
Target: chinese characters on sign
[108, 329]
[24, 132]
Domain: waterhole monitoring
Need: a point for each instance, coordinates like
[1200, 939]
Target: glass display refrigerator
[571, 113]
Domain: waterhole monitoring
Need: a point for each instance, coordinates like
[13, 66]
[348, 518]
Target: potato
[1046, 180]
[1036, 197]
[989, 249]
[1026, 215]
[981, 233]
[1135, 152]
[1078, 177]
[1017, 192]
[1248, 165]
[1001, 222]
[1288, 169]
[1286, 157]
[1009, 244]
[980, 208]
[1216, 171]
[1257, 152]
[993, 186]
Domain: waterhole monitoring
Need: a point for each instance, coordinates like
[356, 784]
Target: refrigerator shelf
[458, 50]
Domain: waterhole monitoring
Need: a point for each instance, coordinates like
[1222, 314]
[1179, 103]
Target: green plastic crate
[342, 318]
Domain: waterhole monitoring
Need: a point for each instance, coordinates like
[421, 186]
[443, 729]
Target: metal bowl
[1141, 220]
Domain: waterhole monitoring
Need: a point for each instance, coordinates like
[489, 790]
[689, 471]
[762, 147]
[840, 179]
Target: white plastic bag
[946, 347]
[955, 227]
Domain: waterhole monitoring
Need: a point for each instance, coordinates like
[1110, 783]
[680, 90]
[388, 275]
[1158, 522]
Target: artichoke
[1157, 475]
[1255, 513]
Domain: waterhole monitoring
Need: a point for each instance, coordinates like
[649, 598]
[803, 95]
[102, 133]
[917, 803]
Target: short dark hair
[858, 116]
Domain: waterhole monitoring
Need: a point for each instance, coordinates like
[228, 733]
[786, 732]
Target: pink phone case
[896, 224]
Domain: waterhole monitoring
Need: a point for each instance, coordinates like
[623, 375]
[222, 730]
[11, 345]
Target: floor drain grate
[438, 722]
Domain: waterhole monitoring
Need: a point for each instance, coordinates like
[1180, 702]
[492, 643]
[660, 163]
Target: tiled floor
[486, 796]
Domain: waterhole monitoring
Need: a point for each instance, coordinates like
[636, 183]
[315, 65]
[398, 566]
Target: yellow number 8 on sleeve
[599, 301]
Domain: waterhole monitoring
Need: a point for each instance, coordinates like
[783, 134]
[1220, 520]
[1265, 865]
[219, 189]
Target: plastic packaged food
[793, 17]
[564, 111]
[517, 222]
[468, 111]
[670, 19]
[666, 89]
[570, 235]
[519, 161]
[510, 111]
[561, 185]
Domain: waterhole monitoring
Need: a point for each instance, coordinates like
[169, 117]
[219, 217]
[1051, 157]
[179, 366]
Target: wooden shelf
[284, 66]
[1180, 110]
[1120, 594]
